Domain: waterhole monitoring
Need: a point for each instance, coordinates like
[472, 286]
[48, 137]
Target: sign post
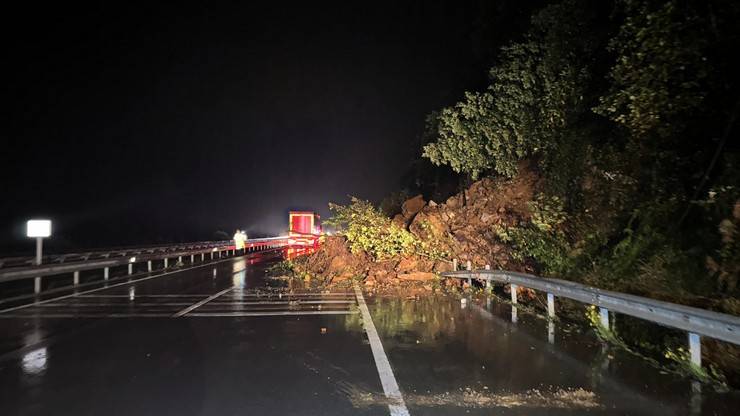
[38, 229]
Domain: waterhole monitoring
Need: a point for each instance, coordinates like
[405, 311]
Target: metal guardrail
[693, 320]
[85, 255]
[105, 259]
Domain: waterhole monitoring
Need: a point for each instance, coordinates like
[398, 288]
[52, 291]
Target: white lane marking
[201, 303]
[88, 315]
[275, 313]
[169, 315]
[286, 295]
[198, 295]
[297, 302]
[15, 308]
[111, 305]
[396, 405]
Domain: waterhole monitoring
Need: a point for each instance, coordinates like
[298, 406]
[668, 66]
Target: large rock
[442, 266]
[416, 276]
[415, 264]
[407, 264]
[346, 275]
[381, 271]
[338, 265]
[412, 207]
[486, 218]
[428, 224]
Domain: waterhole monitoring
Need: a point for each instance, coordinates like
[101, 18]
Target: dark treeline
[628, 112]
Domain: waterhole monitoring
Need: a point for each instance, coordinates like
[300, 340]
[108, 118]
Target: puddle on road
[449, 356]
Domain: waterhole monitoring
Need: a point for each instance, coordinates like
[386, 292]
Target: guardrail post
[488, 281]
[550, 305]
[165, 262]
[211, 255]
[454, 265]
[179, 259]
[106, 273]
[469, 267]
[551, 332]
[76, 278]
[695, 401]
[604, 317]
[192, 258]
[149, 265]
[37, 285]
[130, 268]
[202, 256]
[695, 348]
[513, 288]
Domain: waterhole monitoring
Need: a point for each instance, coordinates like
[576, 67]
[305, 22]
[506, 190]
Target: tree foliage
[534, 92]
[617, 103]
[660, 74]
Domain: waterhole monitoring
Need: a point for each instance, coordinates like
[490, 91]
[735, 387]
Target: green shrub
[368, 230]
[542, 238]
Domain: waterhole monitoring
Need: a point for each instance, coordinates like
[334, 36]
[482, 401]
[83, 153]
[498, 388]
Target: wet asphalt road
[71, 357]
[215, 341]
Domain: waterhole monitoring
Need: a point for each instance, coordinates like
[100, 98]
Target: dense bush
[368, 230]
[542, 238]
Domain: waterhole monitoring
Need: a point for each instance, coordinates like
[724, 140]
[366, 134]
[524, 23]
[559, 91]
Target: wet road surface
[216, 341]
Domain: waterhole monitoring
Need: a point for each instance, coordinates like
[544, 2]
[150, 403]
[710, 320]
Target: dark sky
[155, 123]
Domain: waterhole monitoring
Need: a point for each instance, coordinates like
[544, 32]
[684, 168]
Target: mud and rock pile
[463, 226]
[466, 222]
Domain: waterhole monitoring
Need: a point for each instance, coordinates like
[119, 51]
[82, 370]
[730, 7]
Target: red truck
[304, 228]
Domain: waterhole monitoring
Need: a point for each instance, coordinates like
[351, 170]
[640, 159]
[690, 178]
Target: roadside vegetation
[628, 111]
[622, 118]
[602, 150]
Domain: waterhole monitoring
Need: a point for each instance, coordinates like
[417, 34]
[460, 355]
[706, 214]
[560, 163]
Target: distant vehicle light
[38, 228]
[132, 260]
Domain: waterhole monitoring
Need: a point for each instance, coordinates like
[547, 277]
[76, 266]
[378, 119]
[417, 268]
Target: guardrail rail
[695, 321]
[19, 268]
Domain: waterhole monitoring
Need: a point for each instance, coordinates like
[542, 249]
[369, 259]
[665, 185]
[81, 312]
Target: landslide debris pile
[463, 227]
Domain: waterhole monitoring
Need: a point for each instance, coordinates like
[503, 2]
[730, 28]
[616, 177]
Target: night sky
[153, 123]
